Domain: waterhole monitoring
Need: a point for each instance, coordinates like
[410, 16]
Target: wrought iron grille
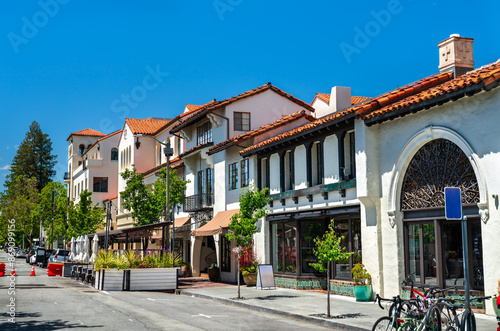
[438, 164]
[198, 202]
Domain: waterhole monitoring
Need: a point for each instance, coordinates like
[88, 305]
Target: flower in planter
[361, 275]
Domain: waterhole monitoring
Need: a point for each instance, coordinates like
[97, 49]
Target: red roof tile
[250, 134]
[326, 98]
[174, 164]
[481, 78]
[101, 139]
[197, 114]
[195, 148]
[149, 126]
[358, 109]
[87, 132]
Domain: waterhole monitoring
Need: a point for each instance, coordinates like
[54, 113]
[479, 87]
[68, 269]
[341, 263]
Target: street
[56, 303]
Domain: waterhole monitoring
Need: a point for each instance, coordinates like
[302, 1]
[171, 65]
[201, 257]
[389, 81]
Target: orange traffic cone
[13, 272]
[33, 270]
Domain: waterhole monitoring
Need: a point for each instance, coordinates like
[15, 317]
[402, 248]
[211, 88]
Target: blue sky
[71, 64]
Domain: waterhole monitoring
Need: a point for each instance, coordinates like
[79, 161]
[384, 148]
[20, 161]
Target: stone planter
[250, 279]
[362, 292]
[214, 274]
[151, 279]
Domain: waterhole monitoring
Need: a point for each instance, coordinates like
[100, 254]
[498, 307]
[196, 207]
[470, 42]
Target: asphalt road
[56, 303]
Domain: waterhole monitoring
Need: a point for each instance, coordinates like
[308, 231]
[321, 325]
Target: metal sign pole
[466, 262]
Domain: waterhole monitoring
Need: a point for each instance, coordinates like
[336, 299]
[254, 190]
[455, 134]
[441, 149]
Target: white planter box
[109, 280]
[152, 279]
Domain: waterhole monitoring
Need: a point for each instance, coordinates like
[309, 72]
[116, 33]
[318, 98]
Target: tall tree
[34, 158]
[46, 210]
[252, 207]
[148, 204]
[19, 203]
[84, 217]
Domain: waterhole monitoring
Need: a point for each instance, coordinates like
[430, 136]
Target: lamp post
[52, 226]
[168, 151]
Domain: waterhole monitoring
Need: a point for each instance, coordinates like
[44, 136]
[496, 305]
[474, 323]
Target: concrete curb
[304, 318]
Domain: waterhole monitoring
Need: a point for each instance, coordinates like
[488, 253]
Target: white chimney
[340, 98]
[456, 55]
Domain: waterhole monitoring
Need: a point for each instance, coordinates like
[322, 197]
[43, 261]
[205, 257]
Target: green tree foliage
[45, 210]
[329, 249]
[33, 158]
[146, 204]
[252, 208]
[84, 217]
[18, 203]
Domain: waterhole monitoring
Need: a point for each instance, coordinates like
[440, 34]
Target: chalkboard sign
[265, 276]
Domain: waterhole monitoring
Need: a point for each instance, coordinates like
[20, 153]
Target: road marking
[204, 315]
[151, 299]
[130, 320]
[105, 292]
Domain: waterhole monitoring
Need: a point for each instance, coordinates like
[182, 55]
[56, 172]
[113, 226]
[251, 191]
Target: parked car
[33, 258]
[60, 256]
[21, 253]
[29, 254]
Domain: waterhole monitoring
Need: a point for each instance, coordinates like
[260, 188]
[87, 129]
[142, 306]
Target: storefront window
[424, 244]
[226, 255]
[290, 249]
[350, 230]
[309, 230]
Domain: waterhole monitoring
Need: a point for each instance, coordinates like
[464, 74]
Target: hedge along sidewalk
[301, 305]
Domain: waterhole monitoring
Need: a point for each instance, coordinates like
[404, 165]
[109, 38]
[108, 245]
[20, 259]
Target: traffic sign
[453, 203]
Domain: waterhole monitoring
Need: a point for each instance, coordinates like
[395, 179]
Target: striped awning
[215, 226]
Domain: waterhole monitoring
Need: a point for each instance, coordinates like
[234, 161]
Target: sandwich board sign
[453, 203]
[265, 276]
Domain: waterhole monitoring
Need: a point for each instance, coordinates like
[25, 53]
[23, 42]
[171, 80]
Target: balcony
[66, 176]
[198, 202]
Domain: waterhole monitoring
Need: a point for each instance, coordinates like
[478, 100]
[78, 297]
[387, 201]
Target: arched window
[433, 245]
[81, 149]
[114, 154]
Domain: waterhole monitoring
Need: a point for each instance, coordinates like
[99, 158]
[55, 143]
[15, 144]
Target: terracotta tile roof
[195, 148]
[101, 139]
[485, 77]
[174, 164]
[87, 132]
[326, 98]
[191, 110]
[199, 113]
[149, 126]
[109, 199]
[250, 134]
[358, 109]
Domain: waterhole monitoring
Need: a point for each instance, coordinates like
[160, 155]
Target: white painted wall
[471, 121]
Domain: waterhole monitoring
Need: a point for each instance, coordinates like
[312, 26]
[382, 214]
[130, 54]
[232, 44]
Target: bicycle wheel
[384, 323]
[433, 319]
[447, 315]
[405, 307]
[450, 328]
[468, 322]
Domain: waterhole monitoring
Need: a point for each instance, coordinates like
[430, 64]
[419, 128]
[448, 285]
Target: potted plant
[362, 280]
[249, 274]
[214, 272]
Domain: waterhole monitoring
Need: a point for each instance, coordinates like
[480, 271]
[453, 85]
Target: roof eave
[426, 104]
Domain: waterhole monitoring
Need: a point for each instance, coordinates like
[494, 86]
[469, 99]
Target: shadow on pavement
[40, 325]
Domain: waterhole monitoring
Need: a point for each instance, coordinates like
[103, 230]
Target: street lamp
[168, 151]
[52, 230]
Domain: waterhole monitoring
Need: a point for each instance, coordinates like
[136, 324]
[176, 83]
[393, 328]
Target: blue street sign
[453, 203]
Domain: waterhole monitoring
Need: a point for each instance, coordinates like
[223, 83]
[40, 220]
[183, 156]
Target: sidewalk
[302, 305]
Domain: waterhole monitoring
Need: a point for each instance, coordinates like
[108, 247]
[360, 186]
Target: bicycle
[467, 322]
[403, 316]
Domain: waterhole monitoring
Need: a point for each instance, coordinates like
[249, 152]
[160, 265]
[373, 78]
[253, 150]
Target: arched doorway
[433, 245]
